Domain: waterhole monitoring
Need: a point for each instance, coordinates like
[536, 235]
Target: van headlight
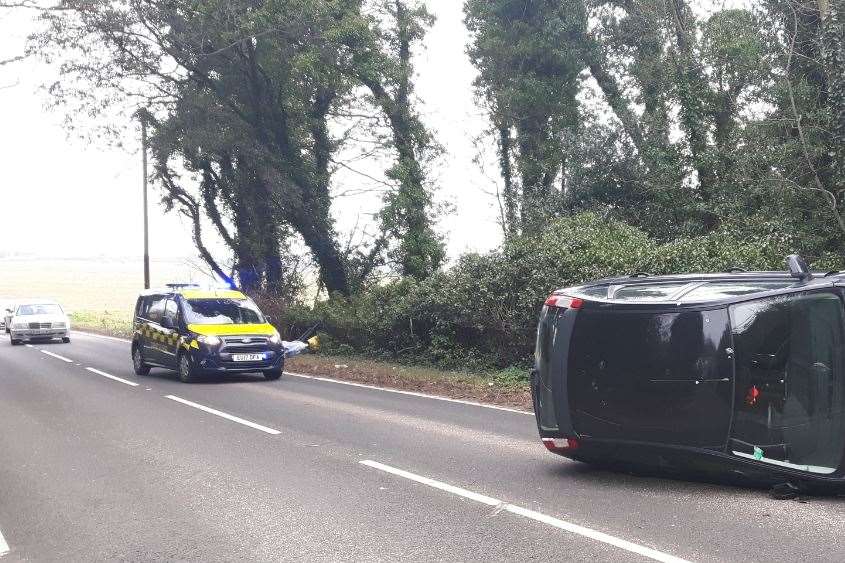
[276, 338]
[209, 340]
[18, 326]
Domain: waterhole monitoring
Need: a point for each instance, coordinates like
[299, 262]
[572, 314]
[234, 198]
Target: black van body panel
[553, 336]
[656, 377]
[651, 385]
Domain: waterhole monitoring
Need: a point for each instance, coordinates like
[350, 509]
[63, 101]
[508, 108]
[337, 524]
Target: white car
[38, 320]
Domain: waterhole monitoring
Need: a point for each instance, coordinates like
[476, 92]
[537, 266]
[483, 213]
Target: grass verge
[506, 388]
[108, 323]
[494, 388]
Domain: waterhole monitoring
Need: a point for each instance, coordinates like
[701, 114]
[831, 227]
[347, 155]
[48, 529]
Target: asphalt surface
[94, 468]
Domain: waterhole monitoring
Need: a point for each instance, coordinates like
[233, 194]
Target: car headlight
[209, 340]
[18, 325]
[276, 338]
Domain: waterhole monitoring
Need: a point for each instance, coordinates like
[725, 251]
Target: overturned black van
[740, 374]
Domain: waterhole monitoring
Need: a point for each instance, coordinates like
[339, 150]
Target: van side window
[155, 312]
[790, 381]
[171, 311]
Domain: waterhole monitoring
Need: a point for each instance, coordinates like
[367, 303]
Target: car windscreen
[38, 309]
[221, 312]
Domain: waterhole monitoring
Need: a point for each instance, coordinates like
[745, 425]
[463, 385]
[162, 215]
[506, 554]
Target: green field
[91, 285]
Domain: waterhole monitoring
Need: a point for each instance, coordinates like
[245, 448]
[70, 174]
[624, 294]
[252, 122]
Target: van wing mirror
[166, 322]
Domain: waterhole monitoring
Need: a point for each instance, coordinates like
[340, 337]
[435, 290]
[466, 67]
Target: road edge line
[103, 336]
[409, 393]
[582, 531]
[361, 385]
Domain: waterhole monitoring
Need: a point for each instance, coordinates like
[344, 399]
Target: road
[99, 464]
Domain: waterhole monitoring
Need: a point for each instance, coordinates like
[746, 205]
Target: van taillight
[560, 444]
[564, 302]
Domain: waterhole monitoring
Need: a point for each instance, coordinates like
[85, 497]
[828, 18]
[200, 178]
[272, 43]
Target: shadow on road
[652, 482]
[169, 375]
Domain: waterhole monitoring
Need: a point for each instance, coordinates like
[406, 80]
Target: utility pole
[142, 116]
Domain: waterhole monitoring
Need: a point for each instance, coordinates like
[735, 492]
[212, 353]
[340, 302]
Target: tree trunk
[511, 227]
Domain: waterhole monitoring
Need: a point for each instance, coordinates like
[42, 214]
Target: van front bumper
[224, 362]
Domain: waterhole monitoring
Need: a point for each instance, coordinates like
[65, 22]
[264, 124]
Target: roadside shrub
[481, 313]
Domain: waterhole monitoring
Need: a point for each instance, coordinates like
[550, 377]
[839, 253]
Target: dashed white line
[113, 377]
[222, 414]
[410, 393]
[4, 547]
[62, 358]
[483, 499]
[531, 514]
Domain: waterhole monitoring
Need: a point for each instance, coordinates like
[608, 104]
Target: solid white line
[222, 414]
[4, 547]
[531, 514]
[103, 336]
[361, 385]
[410, 393]
[62, 358]
[114, 377]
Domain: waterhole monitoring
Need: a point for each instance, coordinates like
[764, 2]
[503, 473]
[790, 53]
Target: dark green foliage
[246, 97]
[528, 55]
[482, 312]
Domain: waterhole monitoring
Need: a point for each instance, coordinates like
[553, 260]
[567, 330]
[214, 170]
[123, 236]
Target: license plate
[248, 357]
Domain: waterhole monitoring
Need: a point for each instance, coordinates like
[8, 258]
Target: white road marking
[223, 414]
[103, 336]
[410, 393]
[4, 547]
[531, 514]
[361, 385]
[490, 501]
[113, 377]
[29, 346]
[52, 355]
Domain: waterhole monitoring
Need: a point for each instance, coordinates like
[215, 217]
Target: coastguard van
[199, 331]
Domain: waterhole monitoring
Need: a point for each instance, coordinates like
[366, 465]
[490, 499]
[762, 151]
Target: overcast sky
[61, 197]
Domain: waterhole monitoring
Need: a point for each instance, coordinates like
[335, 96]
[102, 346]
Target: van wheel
[138, 362]
[272, 374]
[66, 339]
[187, 374]
[15, 341]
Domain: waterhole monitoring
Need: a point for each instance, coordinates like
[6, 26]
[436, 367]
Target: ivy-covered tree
[245, 95]
[528, 56]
